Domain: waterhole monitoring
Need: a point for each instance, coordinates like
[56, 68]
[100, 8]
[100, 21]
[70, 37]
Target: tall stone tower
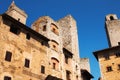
[109, 58]
[112, 26]
[17, 13]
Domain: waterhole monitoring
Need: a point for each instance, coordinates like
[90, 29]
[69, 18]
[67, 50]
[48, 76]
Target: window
[106, 56]
[77, 77]
[8, 56]
[109, 68]
[18, 19]
[76, 67]
[14, 29]
[54, 65]
[68, 75]
[66, 59]
[54, 29]
[117, 54]
[27, 63]
[7, 78]
[118, 66]
[43, 69]
[111, 18]
[44, 28]
[28, 36]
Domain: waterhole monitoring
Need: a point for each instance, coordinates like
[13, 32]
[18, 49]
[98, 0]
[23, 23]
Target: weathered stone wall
[85, 64]
[21, 48]
[113, 61]
[113, 30]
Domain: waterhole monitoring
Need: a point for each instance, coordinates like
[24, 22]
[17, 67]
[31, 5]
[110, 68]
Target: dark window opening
[77, 77]
[109, 69]
[43, 69]
[118, 66]
[27, 63]
[8, 56]
[54, 46]
[66, 59]
[106, 56]
[18, 19]
[28, 36]
[68, 75]
[44, 28]
[117, 54]
[54, 65]
[14, 30]
[7, 78]
[111, 18]
[76, 67]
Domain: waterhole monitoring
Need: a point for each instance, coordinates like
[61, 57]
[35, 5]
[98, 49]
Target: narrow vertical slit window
[27, 63]
[54, 66]
[8, 56]
[42, 69]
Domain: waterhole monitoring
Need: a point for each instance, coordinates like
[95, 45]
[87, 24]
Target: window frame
[8, 56]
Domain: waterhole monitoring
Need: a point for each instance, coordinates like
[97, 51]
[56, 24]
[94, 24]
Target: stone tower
[109, 58]
[47, 51]
[17, 13]
[112, 26]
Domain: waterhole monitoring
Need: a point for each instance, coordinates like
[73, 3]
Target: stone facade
[109, 59]
[48, 51]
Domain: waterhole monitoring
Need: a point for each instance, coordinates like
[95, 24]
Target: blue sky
[89, 14]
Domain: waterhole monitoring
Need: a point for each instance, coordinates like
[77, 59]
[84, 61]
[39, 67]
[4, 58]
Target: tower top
[16, 13]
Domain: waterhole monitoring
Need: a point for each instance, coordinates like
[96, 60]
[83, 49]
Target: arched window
[54, 29]
[55, 63]
[54, 45]
[111, 18]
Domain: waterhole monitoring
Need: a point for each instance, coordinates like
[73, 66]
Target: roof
[21, 25]
[107, 49]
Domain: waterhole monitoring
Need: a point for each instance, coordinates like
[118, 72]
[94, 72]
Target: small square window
[8, 56]
[27, 63]
[7, 78]
[109, 68]
[14, 29]
[43, 69]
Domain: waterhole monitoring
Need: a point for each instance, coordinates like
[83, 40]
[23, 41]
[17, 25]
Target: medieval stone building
[109, 59]
[46, 51]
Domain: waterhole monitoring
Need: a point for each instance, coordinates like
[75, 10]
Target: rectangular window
[109, 68]
[118, 66]
[43, 69]
[68, 75]
[28, 36]
[106, 56]
[27, 63]
[14, 29]
[66, 59]
[54, 65]
[8, 56]
[7, 78]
